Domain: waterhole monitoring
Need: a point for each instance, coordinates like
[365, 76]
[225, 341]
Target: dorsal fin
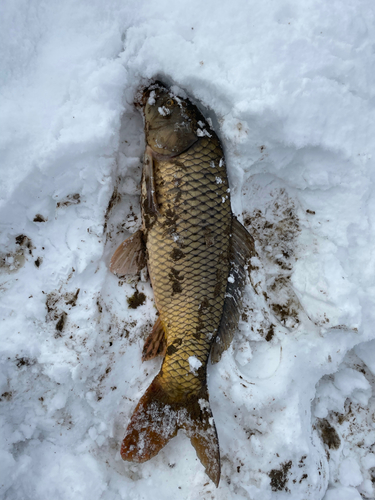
[242, 250]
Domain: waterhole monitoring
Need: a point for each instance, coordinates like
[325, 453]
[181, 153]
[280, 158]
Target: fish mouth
[143, 93]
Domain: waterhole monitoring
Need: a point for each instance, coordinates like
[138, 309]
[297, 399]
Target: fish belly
[188, 259]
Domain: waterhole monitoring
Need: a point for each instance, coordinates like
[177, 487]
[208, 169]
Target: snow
[350, 473]
[343, 494]
[163, 110]
[289, 88]
[202, 133]
[194, 364]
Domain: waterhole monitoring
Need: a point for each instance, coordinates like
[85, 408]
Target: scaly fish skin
[188, 258]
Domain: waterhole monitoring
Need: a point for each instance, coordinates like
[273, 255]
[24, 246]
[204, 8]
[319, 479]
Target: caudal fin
[157, 419]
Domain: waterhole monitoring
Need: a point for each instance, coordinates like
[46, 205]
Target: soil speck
[136, 300]
[279, 477]
[39, 218]
[329, 434]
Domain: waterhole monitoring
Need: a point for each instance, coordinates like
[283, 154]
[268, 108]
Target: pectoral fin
[155, 343]
[242, 250]
[129, 258]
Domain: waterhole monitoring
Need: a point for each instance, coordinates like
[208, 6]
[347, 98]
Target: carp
[197, 254]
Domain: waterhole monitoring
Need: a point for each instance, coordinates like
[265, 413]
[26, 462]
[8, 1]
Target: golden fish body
[188, 259]
[192, 243]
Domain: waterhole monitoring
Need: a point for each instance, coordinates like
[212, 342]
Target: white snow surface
[289, 88]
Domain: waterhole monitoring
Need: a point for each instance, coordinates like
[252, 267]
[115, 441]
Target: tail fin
[157, 419]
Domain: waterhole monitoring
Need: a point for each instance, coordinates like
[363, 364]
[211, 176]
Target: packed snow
[289, 88]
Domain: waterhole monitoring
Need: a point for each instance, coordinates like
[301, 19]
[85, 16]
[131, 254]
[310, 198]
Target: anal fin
[242, 250]
[155, 343]
[129, 257]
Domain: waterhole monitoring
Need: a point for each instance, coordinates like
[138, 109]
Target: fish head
[171, 122]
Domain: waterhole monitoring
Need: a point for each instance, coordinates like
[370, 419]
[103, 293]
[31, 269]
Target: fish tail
[201, 429]
[157, 418]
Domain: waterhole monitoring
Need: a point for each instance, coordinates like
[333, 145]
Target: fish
[196, 253]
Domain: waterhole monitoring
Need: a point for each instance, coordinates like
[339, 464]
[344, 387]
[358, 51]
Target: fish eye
[169, 102]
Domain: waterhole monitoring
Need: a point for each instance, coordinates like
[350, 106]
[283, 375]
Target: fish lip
[143, 92]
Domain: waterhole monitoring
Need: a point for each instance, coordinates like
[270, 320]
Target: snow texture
[289, 89]
[194, 364]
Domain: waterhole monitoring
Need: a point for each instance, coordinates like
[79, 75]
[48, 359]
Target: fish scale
[195, 218]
